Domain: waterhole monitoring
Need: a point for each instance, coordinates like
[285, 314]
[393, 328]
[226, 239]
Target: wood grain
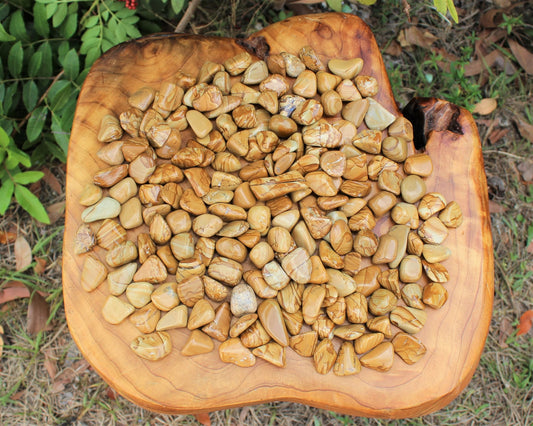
[454, 335]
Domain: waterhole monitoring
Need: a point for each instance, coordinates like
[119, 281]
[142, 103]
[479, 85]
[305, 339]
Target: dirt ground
[45, 380]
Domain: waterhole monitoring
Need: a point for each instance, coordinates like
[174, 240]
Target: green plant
[46, 50]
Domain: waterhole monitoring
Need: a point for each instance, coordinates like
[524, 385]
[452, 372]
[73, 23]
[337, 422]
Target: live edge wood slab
[454, 335]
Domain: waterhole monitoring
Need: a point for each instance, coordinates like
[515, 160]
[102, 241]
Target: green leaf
[69, 27]
[60, 15]
[6, 193]
[441, 6]
[15, 59]
[25, 178]
[51, 8]
[89, 44]
[47, 62]
[91, 21]
[4, 138]
[336, 5]
[90, 34]
[10, 97]
[92, 55]
[4, 36]
[453, 11]
[177, 5]
[36, 123]
[30, 95]
[15, 157]
[17, 27]
[59, 96]
[40, 20]
[31, 204]
[71, 64]
[35, 64]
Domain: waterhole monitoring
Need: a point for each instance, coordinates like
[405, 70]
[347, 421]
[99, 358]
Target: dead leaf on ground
[40, 265]
[485, 106]
[15, 290]
[445, 54]
[68, 374]
[414, 36]
[503, 3]
[7, 237]
[526, 170]
[393, 49]
[12, 293]
[36, 188]
[524, 128]
[497, 134]
[529, 248]
[203, 418]
[491, 18]
[1, 340]
[505, 331]
[523, 56]
[494, 58]
[526, 320]
[111, 393]
[56, 211]
[18, 395]
[495, 207]
[38, 313]
[51, 180]
[23, 255]
[50, 363]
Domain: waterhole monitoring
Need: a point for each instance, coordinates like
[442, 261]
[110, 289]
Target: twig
[41, 99]
[492, 151]
[406, 9]
[184, 21]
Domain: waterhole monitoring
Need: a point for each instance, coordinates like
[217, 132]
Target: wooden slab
[454, 335]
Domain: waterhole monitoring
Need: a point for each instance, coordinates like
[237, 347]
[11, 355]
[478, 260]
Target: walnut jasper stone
[259, 231]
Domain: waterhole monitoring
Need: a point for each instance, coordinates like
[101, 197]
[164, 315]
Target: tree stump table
[454, 335]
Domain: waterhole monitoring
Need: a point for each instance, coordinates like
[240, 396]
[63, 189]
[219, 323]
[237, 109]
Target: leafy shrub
[46, 50]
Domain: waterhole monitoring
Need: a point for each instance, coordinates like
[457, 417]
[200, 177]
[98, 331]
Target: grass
[501, 391]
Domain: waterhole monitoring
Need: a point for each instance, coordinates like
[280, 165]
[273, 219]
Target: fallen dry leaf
[203, 418]
[524, 128]
[393, 49]
[495, 207]
[18, 395]
[529, 247]
[526, 320]
[7, 237]
[485, 106]
[414, 36]
[40, 265]
[36, 188]
[13, 290]
[494, 58]
[50, 363]
[56, 211]
[69, 374]
[523, 56]
[496, 134]
[38, 313]
[1, 340]
[23, 255]
[492, 18]
[526, 170]
[51, 180]
[505, 331]
[503, 3]
[111, 393]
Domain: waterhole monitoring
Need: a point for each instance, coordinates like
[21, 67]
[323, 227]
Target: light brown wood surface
[454, 335]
